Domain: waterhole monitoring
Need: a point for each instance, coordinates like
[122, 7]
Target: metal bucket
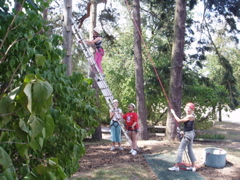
[215, 157]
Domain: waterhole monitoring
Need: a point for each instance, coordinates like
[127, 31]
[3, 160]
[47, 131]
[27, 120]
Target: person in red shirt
[131, 121]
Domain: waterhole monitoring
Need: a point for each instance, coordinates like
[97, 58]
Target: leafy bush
[39, 103]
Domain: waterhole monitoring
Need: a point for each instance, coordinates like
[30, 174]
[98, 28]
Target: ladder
[98, 77]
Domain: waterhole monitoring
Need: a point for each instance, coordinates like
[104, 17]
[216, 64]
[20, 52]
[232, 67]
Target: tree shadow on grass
[160, 164]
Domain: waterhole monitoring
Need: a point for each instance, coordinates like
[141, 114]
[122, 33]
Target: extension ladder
[98, 76]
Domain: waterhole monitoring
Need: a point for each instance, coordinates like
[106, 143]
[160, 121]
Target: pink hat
[191, 105]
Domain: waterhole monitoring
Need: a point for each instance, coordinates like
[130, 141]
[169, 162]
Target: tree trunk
[175, 90]
[45, 13]
[214, 113]
[97, 136]
[141, 105]
[17, 6]
[67, 35]
[219, 112]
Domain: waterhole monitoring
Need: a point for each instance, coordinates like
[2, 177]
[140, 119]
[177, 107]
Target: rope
[149, 56]
[151, 60]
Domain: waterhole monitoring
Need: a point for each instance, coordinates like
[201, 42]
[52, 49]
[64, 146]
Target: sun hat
[97, 30]
[114, 101]
[133, 105]
[191, 105]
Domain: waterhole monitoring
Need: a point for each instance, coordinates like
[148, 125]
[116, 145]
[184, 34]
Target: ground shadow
[160, 164]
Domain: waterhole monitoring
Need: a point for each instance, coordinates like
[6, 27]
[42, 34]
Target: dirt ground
[98, 155]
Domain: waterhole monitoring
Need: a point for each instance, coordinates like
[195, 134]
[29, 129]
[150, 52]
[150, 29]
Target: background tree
[227, 47]
[175, 89]
[67, 34]
[93, 21]
[215, 14]
[141, 104]
[156, 24]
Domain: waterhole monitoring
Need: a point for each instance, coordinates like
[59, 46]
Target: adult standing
[115, 128]
[187, 140]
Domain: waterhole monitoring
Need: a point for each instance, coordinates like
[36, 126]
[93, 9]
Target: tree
[93, 18]
[175, 90]
[17, 5]
[67, 35]
[228, 47]
[45, 13]
[217, 13]
[141, 104]
[39, 103]
[90, 5]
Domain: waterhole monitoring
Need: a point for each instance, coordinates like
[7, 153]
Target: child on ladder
[131, 121]
[115, 128]
[99, 53]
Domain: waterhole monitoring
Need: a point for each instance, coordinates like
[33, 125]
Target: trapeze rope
[151, 60]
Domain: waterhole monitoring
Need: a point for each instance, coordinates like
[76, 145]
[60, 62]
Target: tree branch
[7, 130]
[9, 142]
[10, 27]
[10, 80]
[7, 114]
[16, 41]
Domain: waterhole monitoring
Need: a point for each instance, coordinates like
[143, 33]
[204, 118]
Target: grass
[211, 136]
[121, 171]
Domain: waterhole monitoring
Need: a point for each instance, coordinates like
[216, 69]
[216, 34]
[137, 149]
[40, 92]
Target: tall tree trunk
[175, 90]
[67, 35]
[97, 136]
[141, 105]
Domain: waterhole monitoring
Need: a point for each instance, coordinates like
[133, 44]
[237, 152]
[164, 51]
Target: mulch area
[99, 156]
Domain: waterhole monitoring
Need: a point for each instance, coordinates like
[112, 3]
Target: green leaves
[40, 59]
[41, 114]
[5, 160]
[28, 91]
[39, 92]
[36, 125]
[49, 126]
[48, 170]
[7, 170]
[7, 106]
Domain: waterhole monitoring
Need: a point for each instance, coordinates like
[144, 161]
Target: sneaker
[131, 151]
[174, 168]
[120, 148]
[191, 169]
[112, 148]
[134, 152]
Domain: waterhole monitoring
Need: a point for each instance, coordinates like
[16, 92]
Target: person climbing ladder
[99, 53]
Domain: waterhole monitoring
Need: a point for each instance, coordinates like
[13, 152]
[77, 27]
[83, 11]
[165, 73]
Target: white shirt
[117, 114]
